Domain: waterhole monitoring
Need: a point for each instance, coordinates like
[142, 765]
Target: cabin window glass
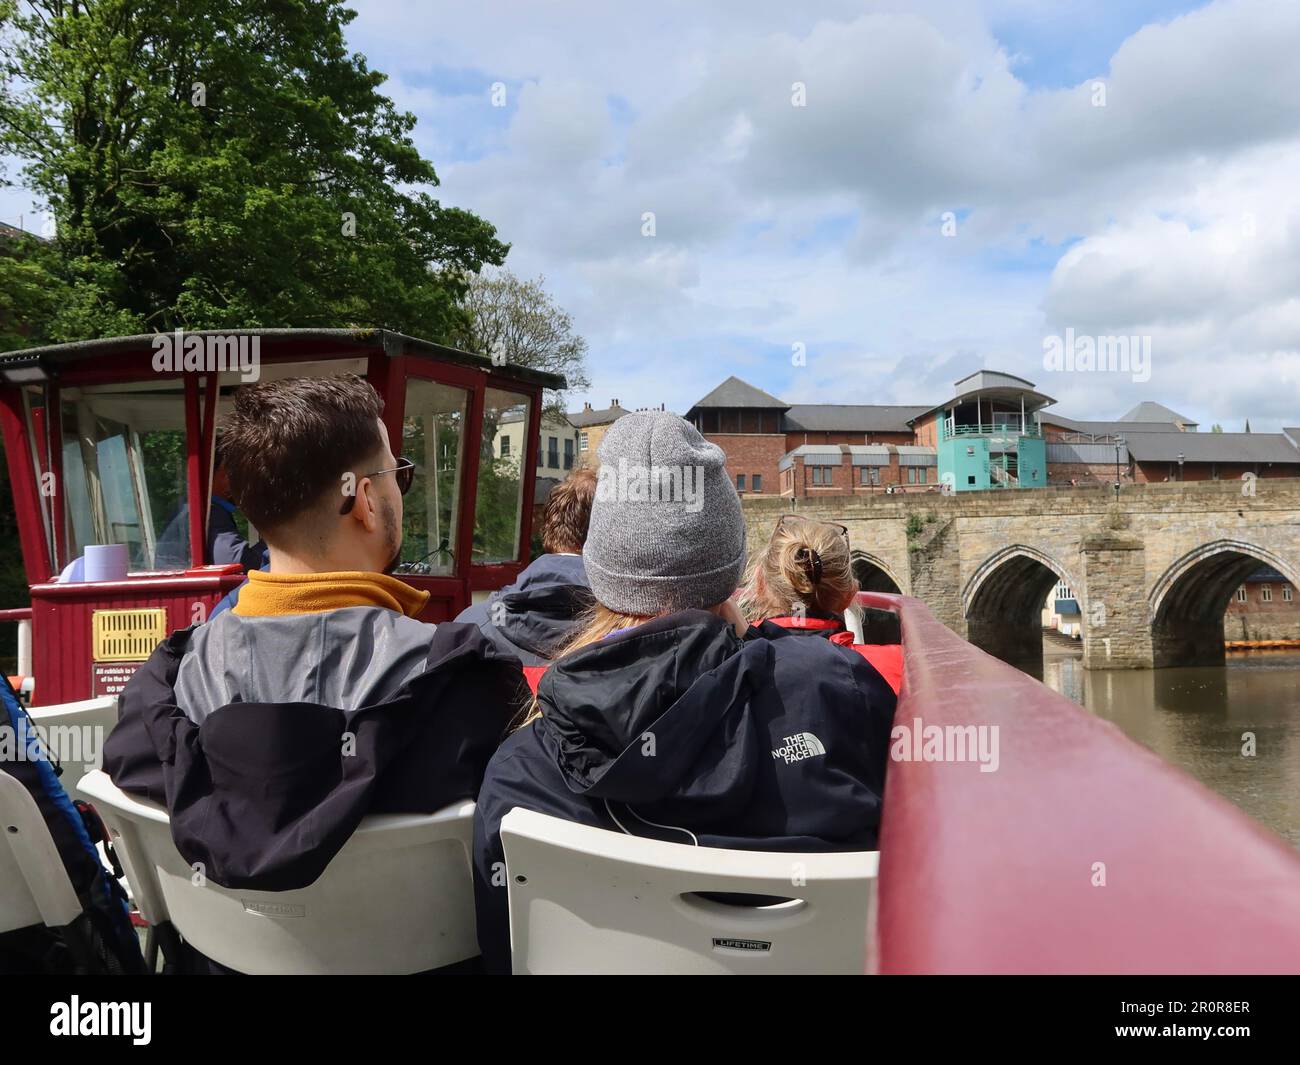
[124, 472]
[433, 436]
[501, 483]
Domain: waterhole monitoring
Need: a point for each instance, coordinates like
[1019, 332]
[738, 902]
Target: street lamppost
[1180, 466]
[1119, 443]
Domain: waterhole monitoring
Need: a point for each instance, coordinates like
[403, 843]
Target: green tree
[517, 321]
[220, 164]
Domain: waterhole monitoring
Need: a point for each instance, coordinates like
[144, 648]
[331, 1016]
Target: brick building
[777, 448]
[1266, 608]
[591, 425]
[996, 432]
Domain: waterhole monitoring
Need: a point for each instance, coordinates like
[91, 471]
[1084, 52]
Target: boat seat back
[587, 900]
[34, 884]
[398, 898]
[74, 735]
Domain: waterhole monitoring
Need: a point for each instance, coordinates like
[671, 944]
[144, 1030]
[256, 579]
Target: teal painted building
[988, 435]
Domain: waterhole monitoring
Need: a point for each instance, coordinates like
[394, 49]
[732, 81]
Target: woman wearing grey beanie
[667, 716]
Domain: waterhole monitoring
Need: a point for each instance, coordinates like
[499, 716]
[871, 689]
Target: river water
[1195, 718]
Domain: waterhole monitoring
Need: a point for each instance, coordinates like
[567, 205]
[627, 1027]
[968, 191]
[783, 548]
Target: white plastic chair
[71, 731]
[398, 898]
[34, 885]
[586, 900]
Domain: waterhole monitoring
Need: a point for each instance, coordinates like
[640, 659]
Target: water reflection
[1196, 718]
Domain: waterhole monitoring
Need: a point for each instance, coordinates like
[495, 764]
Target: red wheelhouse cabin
[106, 448]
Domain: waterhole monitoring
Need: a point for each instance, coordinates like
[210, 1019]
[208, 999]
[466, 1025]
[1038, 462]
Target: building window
[756, 482]
[582, 442]
[740, 482]
[1241, 594]
[869, 475]
[553, 452]
[970, 478]
[1266, 593]
[1286, 593]
[821, 475]
[568, 453]
[505, 447]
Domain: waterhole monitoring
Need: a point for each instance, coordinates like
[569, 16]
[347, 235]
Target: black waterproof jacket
[679, 730]
[265, 793]
[533, 617]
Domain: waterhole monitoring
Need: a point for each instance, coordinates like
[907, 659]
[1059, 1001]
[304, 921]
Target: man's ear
[363, 510]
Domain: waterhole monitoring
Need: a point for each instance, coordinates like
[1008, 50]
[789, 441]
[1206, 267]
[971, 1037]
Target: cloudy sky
[1121, 168]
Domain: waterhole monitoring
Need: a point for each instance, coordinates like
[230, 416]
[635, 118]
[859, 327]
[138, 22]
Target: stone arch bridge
[1153, 573]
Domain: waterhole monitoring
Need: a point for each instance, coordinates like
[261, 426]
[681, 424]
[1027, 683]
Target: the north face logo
[798, 747]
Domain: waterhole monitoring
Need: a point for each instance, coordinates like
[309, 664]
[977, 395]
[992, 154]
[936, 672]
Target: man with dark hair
[534, 617]
[271, 730]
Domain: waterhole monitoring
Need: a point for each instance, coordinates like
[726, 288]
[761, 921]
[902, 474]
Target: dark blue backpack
[102, 939]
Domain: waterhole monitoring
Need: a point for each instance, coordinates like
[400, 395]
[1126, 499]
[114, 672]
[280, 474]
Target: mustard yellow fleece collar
[275, 594]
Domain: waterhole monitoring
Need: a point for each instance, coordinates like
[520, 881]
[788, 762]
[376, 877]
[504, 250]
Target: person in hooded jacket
[803, 584]
[272, 730]
[532, 618]
[803, 580]
[668, 716]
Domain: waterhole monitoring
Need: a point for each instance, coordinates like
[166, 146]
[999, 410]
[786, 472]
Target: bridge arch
[1003, 601]
[873, 574]
[1188, 601]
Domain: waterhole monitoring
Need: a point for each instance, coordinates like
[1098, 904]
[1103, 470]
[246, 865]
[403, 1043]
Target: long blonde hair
[805, 569]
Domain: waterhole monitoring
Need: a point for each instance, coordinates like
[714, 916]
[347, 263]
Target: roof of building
[584, 419]
[859, 454]
[551, 421]
[1149, 411]
[733, 392]
[1103, 428]
[992, 384]
[1266, 573]
[1212, 447]
[982, 380]
[8, 232]
[850, 418]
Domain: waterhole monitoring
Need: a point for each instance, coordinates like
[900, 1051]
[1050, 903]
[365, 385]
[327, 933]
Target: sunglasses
[403, 473]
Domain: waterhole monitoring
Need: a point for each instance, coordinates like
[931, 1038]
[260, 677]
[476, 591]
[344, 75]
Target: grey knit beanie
[666, 529]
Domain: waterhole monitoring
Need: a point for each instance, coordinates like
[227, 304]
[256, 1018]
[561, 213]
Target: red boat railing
[1082, 853]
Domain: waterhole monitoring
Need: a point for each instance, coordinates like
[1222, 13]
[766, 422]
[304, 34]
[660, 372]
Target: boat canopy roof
[390, 342]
